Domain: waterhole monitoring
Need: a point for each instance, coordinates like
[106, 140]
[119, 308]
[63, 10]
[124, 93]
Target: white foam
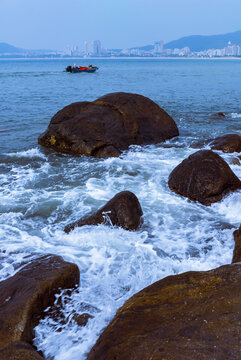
[178, 235]
[33, 153]
[235, 115]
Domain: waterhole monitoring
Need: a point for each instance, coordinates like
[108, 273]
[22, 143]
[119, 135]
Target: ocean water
[41, 191]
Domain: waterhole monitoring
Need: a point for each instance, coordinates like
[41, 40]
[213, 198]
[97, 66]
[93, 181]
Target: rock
[108, 125]
[82, 319]
[194, 315]
[228, 143]
[217, 115]
[204, 176]
[236, 161]
[25, 296]
[19, 351]
[237, 246]
[123, 210]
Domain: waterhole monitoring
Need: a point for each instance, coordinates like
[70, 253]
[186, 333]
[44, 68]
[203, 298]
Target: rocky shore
[194, 315]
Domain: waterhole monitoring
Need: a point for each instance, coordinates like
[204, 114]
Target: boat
[79, 69]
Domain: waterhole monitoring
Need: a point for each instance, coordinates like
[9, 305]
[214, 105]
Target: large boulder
[194, 315]
[19, 350]
[205, 177]
[108, 125]
[123, 210]
[25, 296]
[237, 246]
[227, 143]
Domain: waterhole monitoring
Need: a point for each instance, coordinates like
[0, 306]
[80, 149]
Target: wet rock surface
[19, 350]
[228, 143]
[108, 125]
[205, 177]
[123, 210]
[237, 246]
[25, 296]
[194, 315]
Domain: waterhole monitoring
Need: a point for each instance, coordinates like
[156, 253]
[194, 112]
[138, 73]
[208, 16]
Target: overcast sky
[54, 24]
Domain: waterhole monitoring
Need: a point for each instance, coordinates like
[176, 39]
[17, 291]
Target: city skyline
[94, 49]
[122, 24]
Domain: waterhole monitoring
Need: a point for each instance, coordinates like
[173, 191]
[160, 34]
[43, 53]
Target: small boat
[78, 69]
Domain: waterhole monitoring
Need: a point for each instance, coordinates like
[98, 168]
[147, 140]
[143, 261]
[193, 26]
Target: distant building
[158, 46]
[92, 48]
[97, 48]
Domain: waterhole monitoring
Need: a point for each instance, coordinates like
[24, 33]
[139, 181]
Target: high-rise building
[92, 48]
[158, 46]
[97, 47]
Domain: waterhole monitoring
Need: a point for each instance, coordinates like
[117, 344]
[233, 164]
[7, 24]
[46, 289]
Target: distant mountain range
[200, 42]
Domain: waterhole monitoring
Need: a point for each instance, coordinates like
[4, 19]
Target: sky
[55, 24]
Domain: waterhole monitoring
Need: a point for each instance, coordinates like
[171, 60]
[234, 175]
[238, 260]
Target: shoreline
[126, 58]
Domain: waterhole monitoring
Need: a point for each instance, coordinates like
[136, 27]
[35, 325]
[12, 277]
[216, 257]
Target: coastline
[126, 58]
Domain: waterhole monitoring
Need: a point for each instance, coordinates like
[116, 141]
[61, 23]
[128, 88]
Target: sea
[41, 191]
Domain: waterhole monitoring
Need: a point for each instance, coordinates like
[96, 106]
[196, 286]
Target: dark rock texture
[237, 246]
[191, 316]
[108, 125]
[204, 176]
[25, 296]
[228, 143]
[19, 351]
[123, 210]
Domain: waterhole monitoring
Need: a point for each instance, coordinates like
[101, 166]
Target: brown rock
[105, 127]
[123, 210]
[25, 296]
[228, 143]
[82, 319]
[219, 114]
[235, 161]
[19, 351]
[191, 316]
[237, 246]
[204, 176]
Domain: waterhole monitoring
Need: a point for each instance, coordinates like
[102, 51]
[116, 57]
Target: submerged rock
[237, 246]
[236, 161]
[123, 210]
[82, 319]
[19, 350]
[205, 177]
[108, 125]
[25, 296]
[219, 114]
[228, 143]
[195, 315]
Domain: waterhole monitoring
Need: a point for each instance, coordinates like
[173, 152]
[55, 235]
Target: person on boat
[90, 66]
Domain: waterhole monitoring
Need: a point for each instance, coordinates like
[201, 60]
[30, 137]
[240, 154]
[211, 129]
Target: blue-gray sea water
[41, 191]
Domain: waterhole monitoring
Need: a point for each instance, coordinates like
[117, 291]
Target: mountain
[6, 48]
[10, 49]
[200, 43]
